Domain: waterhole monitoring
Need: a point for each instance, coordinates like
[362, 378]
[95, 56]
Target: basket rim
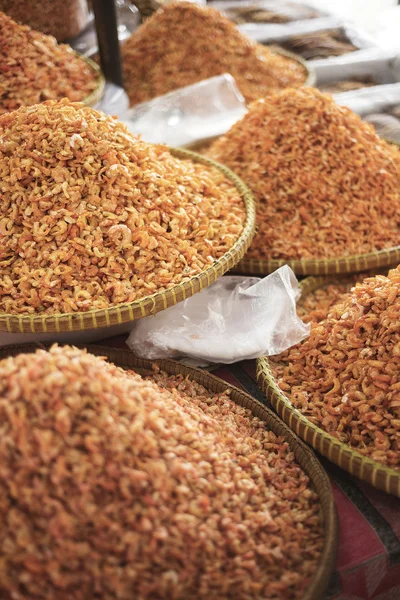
[311, 73]
[342, 265]
[98, 92]
[153, 303]
[305, 457]
[366, 469]
[314, 282]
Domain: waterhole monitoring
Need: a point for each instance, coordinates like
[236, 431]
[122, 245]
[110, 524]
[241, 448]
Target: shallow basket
[149, 305]
[304, 456]
[356, 263]
[98, 92]
[376, 474]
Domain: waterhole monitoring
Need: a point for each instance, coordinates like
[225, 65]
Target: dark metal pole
[107, 36]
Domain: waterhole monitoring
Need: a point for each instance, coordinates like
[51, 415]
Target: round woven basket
[125, 313]
[98, 92]
[304, 456]
[379, 476]
[356, 263]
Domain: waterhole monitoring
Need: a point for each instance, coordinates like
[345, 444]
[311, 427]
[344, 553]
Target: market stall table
[368, 561]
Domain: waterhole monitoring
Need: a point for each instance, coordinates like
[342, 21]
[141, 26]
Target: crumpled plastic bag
[236, 318]
[188, 115]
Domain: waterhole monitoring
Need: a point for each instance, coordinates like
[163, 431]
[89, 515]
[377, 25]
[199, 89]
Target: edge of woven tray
[98, 92]
[311, 74]
[313, 283]
[356, 263]
[127, 312]
[307, 286]
[304, 455]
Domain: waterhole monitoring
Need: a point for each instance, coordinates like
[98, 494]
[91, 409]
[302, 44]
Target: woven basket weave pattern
[330, 266]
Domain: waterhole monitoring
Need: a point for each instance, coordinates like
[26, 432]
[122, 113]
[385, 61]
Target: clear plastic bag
[236, 318]
[191, 114]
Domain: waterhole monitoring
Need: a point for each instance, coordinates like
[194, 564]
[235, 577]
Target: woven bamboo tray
[356, 263]
[125, 313]
[304, 456]
[97, 93]
[379, 476]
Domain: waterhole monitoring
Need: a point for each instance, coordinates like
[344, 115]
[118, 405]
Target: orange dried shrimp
[345, 377]
[183, 43]
[327, 185]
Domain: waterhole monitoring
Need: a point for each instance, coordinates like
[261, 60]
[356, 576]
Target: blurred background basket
[61, 19]
[311, 78]
[304, 456]
[98, 93]
[376, 474]
[128, 312]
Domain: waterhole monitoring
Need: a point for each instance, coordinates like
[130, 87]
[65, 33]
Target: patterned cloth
[368, 561]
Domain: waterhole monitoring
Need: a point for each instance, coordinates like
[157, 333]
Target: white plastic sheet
[296, 10]
[382, 65]
[370, 100]
[387, 27]
[190, 114]
[236, 318]
[359, 38]
[260, 32]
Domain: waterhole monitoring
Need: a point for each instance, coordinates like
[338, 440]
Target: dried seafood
[270, 12]
[91, 216]
[347, 85]
[327, 186]
[182, 44]
[345, 377]
[311, 46]
[58, 18]
[117, 487]
[34, 68]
